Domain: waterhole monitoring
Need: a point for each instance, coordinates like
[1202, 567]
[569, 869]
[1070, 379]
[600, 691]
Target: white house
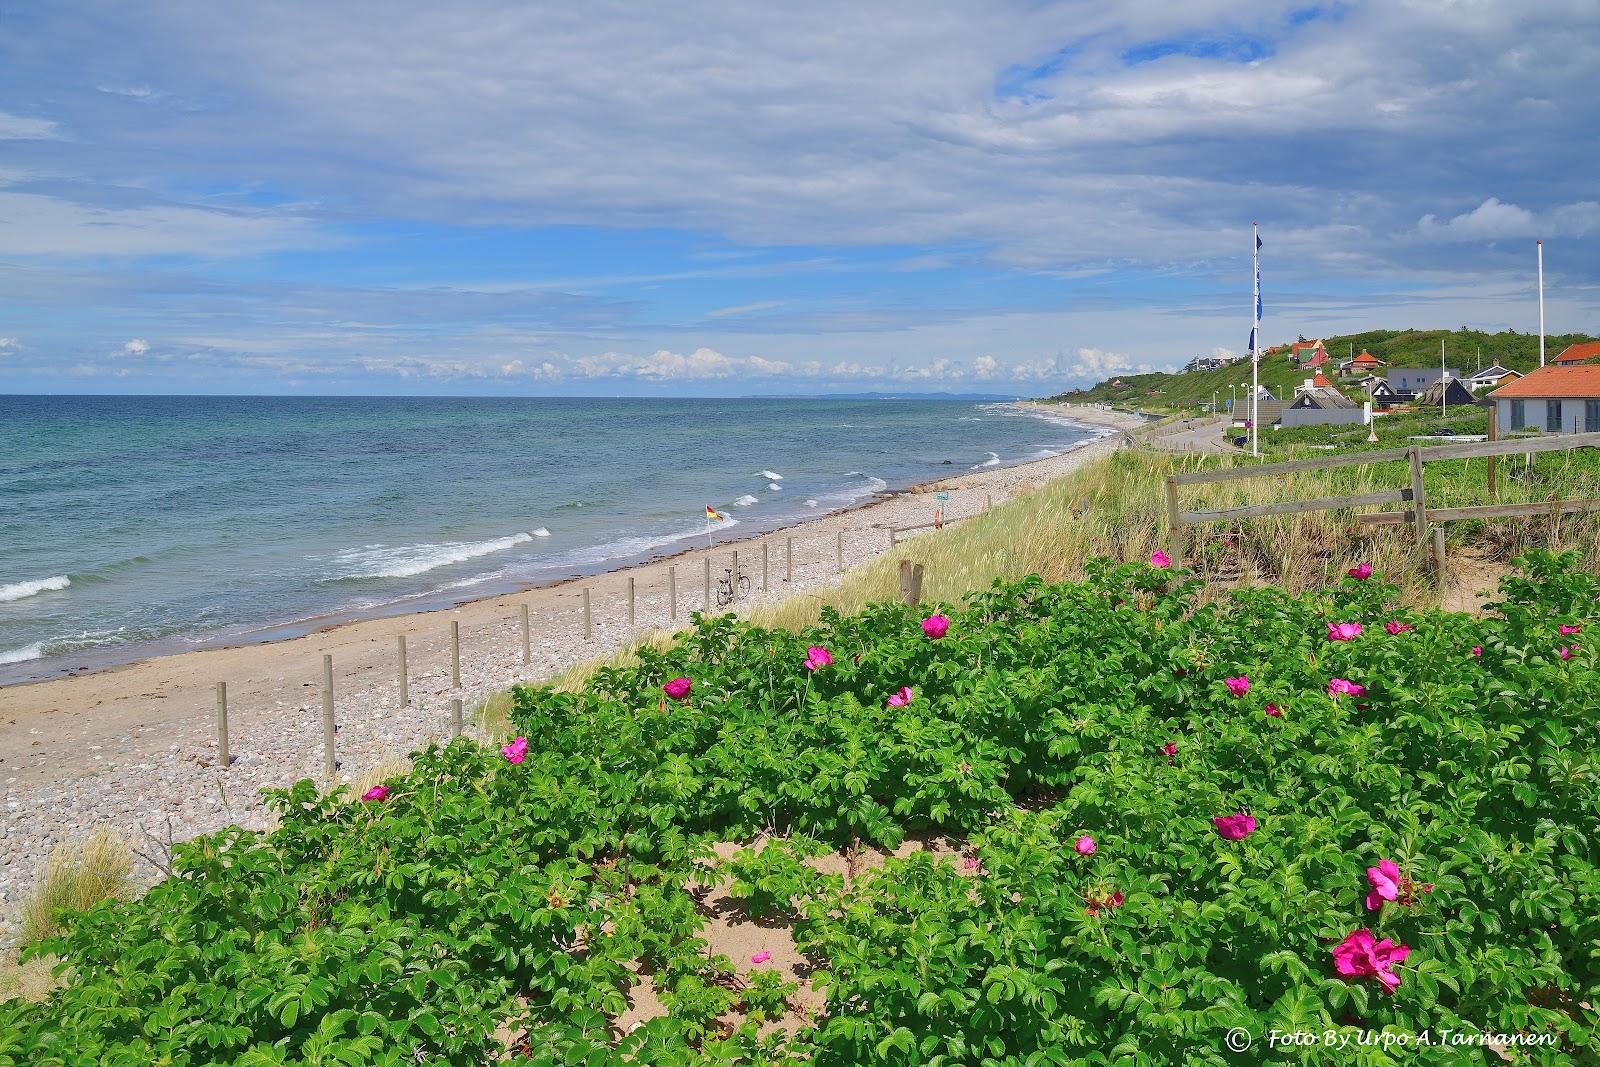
[1554, 399]
[1491, 376]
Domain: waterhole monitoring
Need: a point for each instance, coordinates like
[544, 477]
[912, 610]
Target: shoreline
[133, 746]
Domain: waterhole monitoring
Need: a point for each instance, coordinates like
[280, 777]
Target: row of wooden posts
[910, 592]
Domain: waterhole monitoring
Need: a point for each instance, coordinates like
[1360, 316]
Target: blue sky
[613, 198]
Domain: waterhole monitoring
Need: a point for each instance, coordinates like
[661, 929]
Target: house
[1555, 399]
[1383, 397]
[1409, 381]
[1323, 406]
[1577, 353]
[1303, 350]
[1365, 363]
[1489, 377]
[1451, 392]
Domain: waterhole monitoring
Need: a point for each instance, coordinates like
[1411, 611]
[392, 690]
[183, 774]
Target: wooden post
[329, 765]
[1418, 503]
[672, 592]
[1175, 536]
[1438, 560]
[839, 549]
[223, 757]
[735, 590]
[764, 566]
[910, 583]
[988, 502]
[788, 560]
[455, 653]
[707, 561]
[455, 717]
[893, 537]
[632, 613]
[588, 617]
[1494, 461]
[405, 679]
[527, 637]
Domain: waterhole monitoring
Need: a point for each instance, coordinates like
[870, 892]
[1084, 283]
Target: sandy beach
[134, 747]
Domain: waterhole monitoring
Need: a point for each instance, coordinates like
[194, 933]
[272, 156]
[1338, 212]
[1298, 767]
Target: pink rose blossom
[1344, 631]
[1358, 956]
[1385, 879]
[1160, 559]
[1084, 845]
[761, 957]
[902, 698]
[1361, 572]
[1564, 652]
[516, 751]
[377, 792]
[1234, 827]
[1568, 630]
[1238, 686]
[817, 657]
[1341, 687]
[935, 626]
[970, 863]
[678, 688]
[1395, 627]
[1274, 712]
[1477, 650]
[1170, 749]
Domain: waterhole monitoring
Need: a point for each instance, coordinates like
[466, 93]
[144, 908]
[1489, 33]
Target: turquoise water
[136, 525]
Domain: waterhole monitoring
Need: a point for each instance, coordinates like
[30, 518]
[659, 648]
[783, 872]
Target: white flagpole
[1255, 341]
[1541, 302]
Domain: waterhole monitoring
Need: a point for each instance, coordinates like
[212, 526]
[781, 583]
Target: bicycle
[725, 593]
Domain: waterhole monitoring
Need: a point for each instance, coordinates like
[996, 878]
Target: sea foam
[770, 476]
[745, 501]
[992, 461]
[21, 590]
[22, 655]
[380, 561]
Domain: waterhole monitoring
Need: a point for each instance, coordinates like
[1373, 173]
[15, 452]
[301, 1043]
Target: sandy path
[134, 746]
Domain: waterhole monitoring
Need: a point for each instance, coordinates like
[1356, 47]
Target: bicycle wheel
[744, 585]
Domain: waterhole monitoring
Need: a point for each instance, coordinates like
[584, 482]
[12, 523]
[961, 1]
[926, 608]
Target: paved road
[1197, 435]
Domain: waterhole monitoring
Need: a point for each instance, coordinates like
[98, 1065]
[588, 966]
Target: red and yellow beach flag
[713, 515]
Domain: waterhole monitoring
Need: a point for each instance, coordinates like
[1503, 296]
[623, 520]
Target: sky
[711, 199]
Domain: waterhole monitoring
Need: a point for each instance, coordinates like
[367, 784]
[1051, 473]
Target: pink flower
[1385, 879]
[936, 626]
[1234, 827]
[970, 863]
[516, 751]
[902, 698]
[1274, 712]
[1564, 652]
[1397, 627]
[677, 689]
[1160, 559]
[1170, 749]
[1238, 686]
[1567, 630]
[1084, 845]
[377, 792]
[1477, 650]
[1357, 956]
[1344, 631]
[817, 657]
[1361, 572]
[761, 957]
[1341, 687]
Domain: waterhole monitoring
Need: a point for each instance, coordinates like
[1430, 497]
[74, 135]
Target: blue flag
[1252, 340]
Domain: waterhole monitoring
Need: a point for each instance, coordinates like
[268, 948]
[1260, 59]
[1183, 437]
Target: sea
[138, 526]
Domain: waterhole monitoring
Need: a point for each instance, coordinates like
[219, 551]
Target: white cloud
[8, 344]
[1495, 220]
[18, 128]
[136, 347]
[985, 368]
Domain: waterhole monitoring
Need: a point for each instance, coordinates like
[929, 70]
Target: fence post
[707, 561]
[1175, 537]
[455, 717]
[988, 502]
[223, 756]
[788, 560]
[455, 653]
[672, 592]
[1438, 560]
[632, 614]
[405, 679]
[1418, 503]
[764, 566]
[893, 538]
[910, 583]
[330, 766]
[1494, 435]
[527, 637]
[839, 550]
[588, 617]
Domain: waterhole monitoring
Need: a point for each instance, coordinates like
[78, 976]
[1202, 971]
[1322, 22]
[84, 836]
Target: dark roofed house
[1450, 392]
[1323, 406]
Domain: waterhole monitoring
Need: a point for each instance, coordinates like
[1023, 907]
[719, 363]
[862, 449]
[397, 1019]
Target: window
[1591, 416]
[1552, 416]
[1519, 414]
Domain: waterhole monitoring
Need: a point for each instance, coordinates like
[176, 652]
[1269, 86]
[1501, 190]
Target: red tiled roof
[1320, 381]
[1579, 353]
[1367, 359]
[1553, 382]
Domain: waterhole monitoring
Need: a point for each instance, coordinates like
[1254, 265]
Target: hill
[1399, 348]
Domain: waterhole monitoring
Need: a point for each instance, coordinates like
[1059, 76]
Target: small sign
[941, 496]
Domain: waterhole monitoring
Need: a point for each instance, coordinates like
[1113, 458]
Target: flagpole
[1255, 343]
[1541, 301]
